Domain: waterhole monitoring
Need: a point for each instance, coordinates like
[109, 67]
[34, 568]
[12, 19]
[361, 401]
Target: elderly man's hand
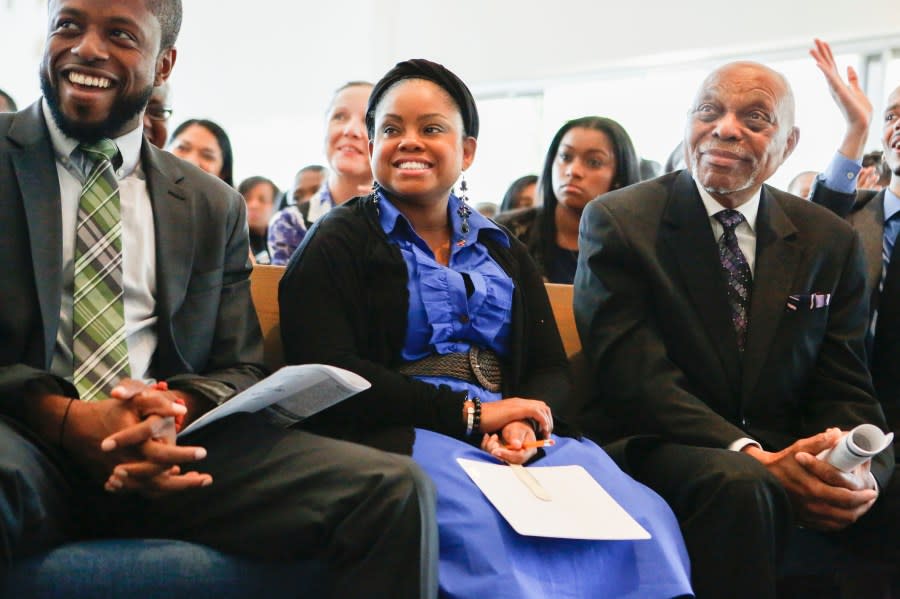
[821, 497]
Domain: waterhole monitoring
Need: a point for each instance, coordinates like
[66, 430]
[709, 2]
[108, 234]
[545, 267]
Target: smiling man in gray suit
[723, 324]
[102, 228]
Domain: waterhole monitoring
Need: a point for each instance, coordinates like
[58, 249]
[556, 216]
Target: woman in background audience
[520, 194]
[346, 148]
[259, 195]
[206, 145]
[447, 317]
[587, 157]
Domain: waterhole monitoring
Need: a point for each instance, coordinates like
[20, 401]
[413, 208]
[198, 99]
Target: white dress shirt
[138, 247]
[745, 232]
[746, 237]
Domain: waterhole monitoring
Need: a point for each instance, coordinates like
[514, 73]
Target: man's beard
[740, 185]
[124, 109]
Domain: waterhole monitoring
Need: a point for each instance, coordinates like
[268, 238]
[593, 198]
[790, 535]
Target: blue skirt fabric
[482, 556]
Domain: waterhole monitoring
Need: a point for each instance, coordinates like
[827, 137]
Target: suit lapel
[35, 167]
[869, 222]
[174, 234]
[690, 239]
[777, 257]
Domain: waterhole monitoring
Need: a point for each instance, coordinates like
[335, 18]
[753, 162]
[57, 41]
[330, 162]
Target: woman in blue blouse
[447, 316]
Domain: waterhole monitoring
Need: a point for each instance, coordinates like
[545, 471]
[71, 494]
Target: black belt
[478, 366]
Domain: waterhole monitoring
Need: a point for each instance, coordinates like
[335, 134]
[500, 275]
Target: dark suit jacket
[207, 329]
[651, 309]
[864, 210]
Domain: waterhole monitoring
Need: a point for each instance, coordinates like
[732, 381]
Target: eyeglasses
[159, 113]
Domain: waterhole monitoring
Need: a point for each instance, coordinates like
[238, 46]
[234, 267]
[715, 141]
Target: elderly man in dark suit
[723, 323]
[124, 265]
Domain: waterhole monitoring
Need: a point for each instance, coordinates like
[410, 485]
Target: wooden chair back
[264, 290]
[561, 302]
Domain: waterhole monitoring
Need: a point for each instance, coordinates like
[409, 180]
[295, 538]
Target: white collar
[749, 209]
[129, 144]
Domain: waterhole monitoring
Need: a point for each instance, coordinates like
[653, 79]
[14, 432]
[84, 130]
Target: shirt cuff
[841, 174]
[742, 443]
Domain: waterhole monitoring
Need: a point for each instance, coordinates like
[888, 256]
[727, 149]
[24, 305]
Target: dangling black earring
[463, 211]
[375, 189]
[375, 197]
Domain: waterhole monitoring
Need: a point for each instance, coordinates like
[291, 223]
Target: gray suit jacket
[209, 340]
[652, 311]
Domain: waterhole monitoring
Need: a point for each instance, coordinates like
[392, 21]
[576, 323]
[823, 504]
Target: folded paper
[296, 392]
[577, 507]
[857, 446]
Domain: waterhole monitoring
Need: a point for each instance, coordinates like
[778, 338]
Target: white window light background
[275, 129]
[510, 145]
[820, 121]
[892, 82]
[652, 105]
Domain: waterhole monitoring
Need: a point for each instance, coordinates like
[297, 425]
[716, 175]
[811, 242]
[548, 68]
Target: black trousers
[737, 518]
[277, 494]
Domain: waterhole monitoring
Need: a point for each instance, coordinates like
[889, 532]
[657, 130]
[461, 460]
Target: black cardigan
[344, 301]
[527, 224]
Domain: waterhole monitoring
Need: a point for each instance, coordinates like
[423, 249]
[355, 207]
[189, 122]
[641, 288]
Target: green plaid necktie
[98, 339]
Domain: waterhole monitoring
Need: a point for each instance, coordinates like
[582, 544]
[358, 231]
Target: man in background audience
[650, 169]
[307, 181]
[7, 104]
[170, 291]
[488, 209]
[875, 173]
[675, 161]
[157, 115]
[800, 184]
[723, 324]
[259, 194]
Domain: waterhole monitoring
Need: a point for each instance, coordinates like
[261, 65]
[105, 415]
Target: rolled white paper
[857, 446]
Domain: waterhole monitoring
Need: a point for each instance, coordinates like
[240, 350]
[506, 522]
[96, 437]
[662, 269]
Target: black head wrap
[419, 68]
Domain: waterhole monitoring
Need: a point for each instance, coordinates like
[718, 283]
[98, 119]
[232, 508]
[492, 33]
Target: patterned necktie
[98, 336]
[737, 273]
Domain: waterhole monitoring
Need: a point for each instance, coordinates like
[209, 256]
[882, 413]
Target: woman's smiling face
[419, 148]
[345, 137]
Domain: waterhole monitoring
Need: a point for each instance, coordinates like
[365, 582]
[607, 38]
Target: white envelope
[579, 508]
